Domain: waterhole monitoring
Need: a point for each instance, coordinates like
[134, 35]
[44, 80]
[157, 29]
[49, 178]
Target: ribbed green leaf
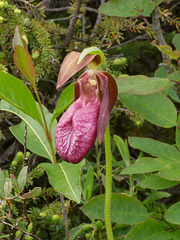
[65, 178]
[156, 108]
[36, 139]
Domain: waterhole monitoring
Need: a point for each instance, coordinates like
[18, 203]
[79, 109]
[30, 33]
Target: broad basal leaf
[65, 178]
[36, 139]
[124, 209]
[17, 94]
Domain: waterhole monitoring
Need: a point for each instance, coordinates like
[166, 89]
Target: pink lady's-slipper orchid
[88, 115]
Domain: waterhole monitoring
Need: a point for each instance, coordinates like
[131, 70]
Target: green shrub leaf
[155, 148]
[145, 165]
[156, 182]
[171, 171]
[141, 84]
[156, 108]
[124, 209]
[127, 8]
[173, 213]
[150, 229]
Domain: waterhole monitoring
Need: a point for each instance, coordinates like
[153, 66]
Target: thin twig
[25, 135]
[64, 215]
[29, 234]
[56, 9]
[129, 41]
[160, 38]
[70, 31]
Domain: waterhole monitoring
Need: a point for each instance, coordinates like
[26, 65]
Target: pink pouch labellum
[76, 130]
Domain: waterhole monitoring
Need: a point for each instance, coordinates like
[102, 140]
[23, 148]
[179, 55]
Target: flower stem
[47, 132]
[108, 185]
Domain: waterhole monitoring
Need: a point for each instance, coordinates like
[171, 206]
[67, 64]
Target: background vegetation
[52, 29]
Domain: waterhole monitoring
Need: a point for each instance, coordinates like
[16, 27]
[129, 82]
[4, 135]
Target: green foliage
[37, 37]
[145, 166]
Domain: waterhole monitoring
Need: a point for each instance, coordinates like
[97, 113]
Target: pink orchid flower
[88, 115]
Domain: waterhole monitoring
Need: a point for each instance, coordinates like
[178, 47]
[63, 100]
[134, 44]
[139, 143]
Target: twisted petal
[70, 66]
[76, 130]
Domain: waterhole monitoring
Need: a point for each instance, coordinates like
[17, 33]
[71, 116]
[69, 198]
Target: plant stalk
[47, 132]
[108, 185]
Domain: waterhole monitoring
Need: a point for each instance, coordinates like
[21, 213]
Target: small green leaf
[173, 213]
[156, 108]
[17, 94]
[15, 184]
[155, 196]
[18, 40]
[89, 182]
[93, 51]
[123, 149]
[124, 209]
[145, 165]
[150, 229]
[155, 148]
[74, 232]
[24, 63]
[36, 192]
[22, 178]
[171, 171]
[161, 72]
[65, 178]
[141, 84]
[167, 50]
[156, 182]
[7, 187]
